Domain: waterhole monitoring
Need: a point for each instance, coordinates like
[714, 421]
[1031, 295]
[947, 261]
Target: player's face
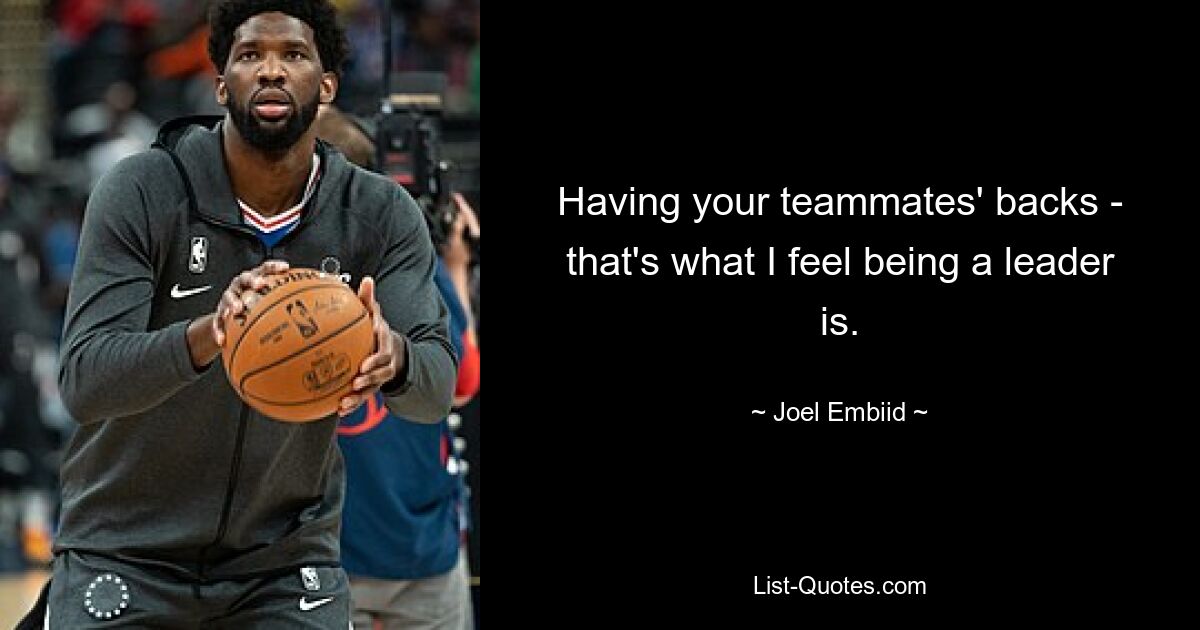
[274, 81]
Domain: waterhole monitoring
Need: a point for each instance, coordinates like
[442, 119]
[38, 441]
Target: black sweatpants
[88, 591]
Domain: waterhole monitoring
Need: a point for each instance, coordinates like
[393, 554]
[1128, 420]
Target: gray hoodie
[168, 466]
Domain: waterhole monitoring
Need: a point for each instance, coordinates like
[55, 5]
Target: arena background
[84, 83]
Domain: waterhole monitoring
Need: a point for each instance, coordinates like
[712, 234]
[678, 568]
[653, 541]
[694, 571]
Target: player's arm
[414, 363]
[111, 365]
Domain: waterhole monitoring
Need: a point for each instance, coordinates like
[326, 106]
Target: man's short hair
[319, 15]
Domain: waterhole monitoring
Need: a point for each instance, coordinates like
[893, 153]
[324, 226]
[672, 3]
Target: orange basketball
[294, 353]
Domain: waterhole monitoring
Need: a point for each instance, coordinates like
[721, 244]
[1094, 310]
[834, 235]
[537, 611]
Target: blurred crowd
[117, 69]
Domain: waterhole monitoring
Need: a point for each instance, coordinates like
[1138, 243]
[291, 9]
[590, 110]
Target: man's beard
[276, 139]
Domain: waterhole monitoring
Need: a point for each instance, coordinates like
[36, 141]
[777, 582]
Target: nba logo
[303, 320]
[199, 258]
[311, 581]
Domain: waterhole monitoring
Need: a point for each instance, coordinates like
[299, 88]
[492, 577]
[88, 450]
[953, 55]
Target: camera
[408, 146]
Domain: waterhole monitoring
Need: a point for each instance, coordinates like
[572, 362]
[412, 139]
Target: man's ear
[329, 86]
[221, 90]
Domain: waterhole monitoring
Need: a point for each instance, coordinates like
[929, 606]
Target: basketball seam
[332, 336]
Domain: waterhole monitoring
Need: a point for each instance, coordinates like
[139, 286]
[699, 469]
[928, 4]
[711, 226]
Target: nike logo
[179, 294]
[306, 605]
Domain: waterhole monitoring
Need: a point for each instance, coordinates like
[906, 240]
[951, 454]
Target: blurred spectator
[112, 129]
[60, 241]
[10, 107]
[179, 73]
[96, 43]
[444, 37]
[24, 144]
[427, 36]
[360, 88]
[26, 476]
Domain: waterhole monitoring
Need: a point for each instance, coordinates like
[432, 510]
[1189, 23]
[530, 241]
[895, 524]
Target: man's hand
[206, 335]
[456, 252]
[385, 364]
[234, 300]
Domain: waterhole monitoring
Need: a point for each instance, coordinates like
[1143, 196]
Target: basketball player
[182, 507]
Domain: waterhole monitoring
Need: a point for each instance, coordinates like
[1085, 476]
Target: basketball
[294, 352]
